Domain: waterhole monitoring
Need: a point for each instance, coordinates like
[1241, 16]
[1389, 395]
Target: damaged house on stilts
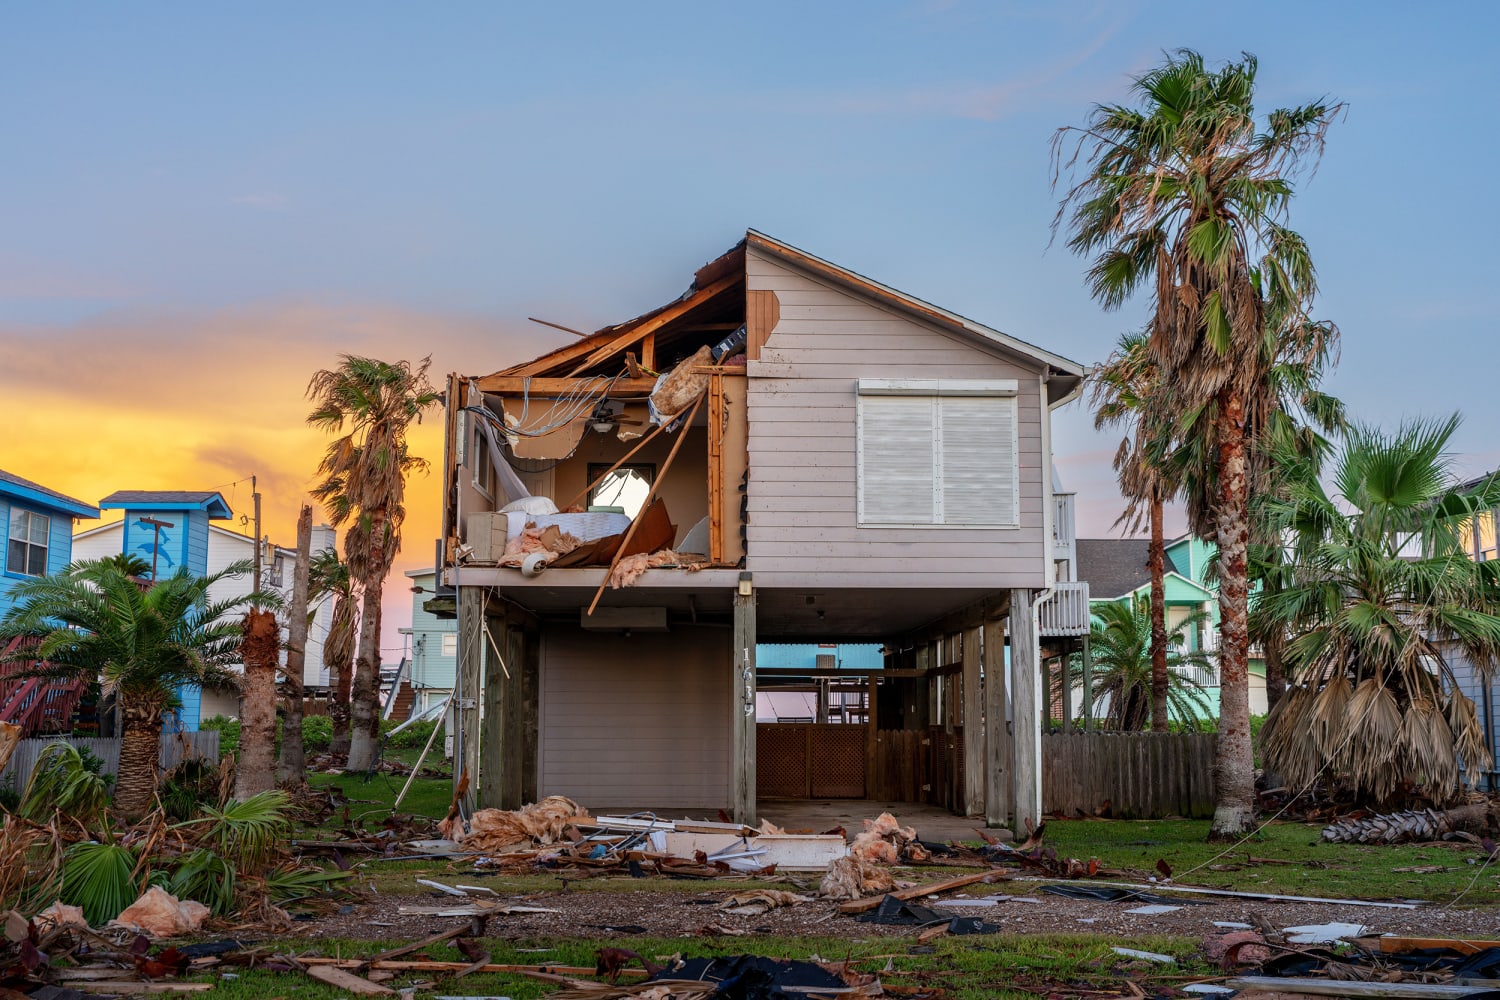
[788, 453]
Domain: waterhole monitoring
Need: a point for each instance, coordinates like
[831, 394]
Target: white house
[225, 548]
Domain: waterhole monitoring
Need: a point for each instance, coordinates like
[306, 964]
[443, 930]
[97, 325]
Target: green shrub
[189, 786]
[413, 737]
[229, 732]
[317, 733]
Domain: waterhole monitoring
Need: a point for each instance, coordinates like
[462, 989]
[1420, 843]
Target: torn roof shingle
[77, 507]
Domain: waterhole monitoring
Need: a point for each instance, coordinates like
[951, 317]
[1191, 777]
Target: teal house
[169, 530]
[36, 530]
[1116, 571]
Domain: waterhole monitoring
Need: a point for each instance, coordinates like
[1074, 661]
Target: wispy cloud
[983, 101]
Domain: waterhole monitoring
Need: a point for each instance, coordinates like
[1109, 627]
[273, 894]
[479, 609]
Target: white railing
[1064, 532]
[1066, 612]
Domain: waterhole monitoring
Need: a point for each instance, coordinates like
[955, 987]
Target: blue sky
[203, 202]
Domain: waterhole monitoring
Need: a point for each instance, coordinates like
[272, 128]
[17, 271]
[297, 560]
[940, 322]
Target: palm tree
[364, 484]
[1127, 389]
[94, 621]
[329, 581]
[1187, 196]
[1120, 639]
[1371, 621]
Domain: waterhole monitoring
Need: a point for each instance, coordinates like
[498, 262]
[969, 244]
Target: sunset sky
[204, 204]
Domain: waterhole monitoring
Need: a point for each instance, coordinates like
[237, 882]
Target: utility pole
[255, 496]
[156, 539]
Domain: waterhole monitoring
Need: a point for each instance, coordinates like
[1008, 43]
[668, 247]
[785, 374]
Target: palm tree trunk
[1156, 560]
[1275, 672]
[291, 768]
[340, 679]
[140, 752]
[256, 770]
[365, 698]
[1234, 773]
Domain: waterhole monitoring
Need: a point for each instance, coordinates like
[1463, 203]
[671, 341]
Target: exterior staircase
[405, 699]
[39, 705]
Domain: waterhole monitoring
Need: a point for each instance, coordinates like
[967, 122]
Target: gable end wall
[802, 408]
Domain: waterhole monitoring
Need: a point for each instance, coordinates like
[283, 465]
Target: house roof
[1058, 364]
[1115, 567]
[718, 287]
[209, 501]
[14, 485]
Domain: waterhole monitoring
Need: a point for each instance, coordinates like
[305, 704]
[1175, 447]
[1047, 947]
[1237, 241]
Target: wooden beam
[673, 312]
[471, 644]
[492, 736]
[1026, 713]
[742, 709]
[648, 352]
[531, 686]
[512, 737]
[559, 326]
[973, 703]
[517, 384]
[715, 469]
[997, 798]
[927, 889]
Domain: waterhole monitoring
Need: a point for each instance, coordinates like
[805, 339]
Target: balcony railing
[1066, 612]
[1064, 537]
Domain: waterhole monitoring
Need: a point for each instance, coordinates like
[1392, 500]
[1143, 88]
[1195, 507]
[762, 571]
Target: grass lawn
[1335, 870]
[1319, 869]
[967, 968]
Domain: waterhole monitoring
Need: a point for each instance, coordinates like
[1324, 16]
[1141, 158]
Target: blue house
[169, 530]
[36, 530]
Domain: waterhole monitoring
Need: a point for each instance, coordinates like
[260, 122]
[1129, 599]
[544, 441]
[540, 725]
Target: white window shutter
[978, 435]
[897, 448]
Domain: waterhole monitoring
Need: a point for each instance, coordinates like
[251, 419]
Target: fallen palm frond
[62, 780]
[100, 879]
[30, 864]
[251, 832]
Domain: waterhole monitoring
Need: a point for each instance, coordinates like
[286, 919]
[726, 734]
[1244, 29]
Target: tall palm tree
[94, 621]
[1120, 641]
[364, 483]
[329, 581]
[1372, 620]
[1127, 390]
[1187, 196]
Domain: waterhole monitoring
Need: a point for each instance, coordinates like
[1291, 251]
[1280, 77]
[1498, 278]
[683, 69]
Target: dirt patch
[676, 914]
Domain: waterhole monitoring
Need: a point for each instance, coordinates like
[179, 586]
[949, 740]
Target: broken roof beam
[661, 319]
[518, 384]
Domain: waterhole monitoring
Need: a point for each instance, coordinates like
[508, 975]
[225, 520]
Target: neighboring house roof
[1116, 567]
[17, 486]
[209, 501]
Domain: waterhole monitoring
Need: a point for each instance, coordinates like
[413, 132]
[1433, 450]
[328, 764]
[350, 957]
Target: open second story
[785, 416]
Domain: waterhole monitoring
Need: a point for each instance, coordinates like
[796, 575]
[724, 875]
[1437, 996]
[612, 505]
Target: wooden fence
[1134, 775]
[175, 747]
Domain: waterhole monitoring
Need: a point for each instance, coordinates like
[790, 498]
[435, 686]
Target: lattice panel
[838, 762]
[781, 761]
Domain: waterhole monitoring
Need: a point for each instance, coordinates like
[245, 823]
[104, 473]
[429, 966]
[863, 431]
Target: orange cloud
[198, 401]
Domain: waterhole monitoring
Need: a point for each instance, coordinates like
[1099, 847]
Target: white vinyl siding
[937, 454]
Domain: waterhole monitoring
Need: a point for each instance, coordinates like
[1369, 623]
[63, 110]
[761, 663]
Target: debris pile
[886, 841]
[503, 831]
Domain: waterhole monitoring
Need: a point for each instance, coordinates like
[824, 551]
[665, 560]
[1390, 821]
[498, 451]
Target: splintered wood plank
[345, 980]
[918, 891]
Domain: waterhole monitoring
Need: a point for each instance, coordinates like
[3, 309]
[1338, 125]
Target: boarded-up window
[937, 453]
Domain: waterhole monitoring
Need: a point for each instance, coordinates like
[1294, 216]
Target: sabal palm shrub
[1120, 667]
[95, 621]
[1379, 595]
